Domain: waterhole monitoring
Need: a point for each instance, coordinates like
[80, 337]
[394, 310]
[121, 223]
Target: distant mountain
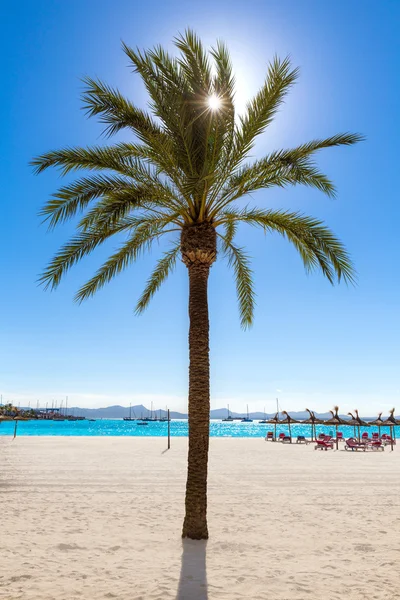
[119, 412]
[138, 411]
[222, 413]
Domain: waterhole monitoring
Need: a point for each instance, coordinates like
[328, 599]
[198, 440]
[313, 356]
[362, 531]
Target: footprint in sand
[66, 547]
[364, 548]
[17, 578]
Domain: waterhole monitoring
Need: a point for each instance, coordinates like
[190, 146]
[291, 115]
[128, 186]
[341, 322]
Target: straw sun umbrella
[335, 420]
[353, 421]
[274, 421]
[360, 422]
[16, 419]
[379, 422]
[5, 418]
[391, 422]
[313, 421]
[288, 420]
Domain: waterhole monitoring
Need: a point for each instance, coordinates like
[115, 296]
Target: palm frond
[95, 158]
[73, 251]
[230, 226]
[115, 111]
[340, 139]
[115, 207]
[285, 167]
[239, 261]
[262, 109]
[163, 268]
[140, 240]
[316, 244]
[275, 173]
[75, 197]
[194, 61]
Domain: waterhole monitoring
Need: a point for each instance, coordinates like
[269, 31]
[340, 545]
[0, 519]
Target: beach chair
[321, 436]
[301, 439]
[387, 439]
[365, 437]
[376, 445]
[375, 437]
[325, 444]
[281, 436]
[286, 439]
[340, 436]
[270, 436]
[353, 445]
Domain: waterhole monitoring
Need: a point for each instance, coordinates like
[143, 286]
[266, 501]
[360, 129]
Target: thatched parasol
[5, 418]
[313, 421]
[16, 419]
[391, 421]
[379, 422]
[335, 420]
[288, 420]
[274, 421]
[353, 421]
[360, 422]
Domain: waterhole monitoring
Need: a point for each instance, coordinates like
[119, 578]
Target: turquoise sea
[118, 427]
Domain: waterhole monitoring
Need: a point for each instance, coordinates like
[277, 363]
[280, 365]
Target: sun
[214, 102]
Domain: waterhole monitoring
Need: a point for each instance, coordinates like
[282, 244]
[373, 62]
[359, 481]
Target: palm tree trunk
[198, 253]
[195, 523]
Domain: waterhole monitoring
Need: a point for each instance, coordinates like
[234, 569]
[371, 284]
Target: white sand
[99, 518]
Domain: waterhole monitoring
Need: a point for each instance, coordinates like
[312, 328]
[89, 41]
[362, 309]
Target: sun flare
[214, 102]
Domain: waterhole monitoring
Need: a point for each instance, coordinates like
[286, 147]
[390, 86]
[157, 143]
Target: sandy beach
[94, 518]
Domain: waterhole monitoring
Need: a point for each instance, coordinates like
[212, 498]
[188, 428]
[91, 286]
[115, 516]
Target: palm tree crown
[186, 168]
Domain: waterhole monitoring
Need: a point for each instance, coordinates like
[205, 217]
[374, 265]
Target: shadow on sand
[193, 578]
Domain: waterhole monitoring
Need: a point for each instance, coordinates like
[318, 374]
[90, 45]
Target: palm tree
[182, 177]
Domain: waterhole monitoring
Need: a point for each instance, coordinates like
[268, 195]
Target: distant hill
[119, 412]
[222, 413]
[138, 411]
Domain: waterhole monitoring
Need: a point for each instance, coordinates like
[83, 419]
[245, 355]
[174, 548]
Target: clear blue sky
[316, 344]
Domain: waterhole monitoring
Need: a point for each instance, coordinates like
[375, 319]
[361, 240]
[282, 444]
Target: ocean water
[118, 427]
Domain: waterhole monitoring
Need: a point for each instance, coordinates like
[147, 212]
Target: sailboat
[229, 417]
[162, 419]
[130, 415]
[265, 417]
[150, 418]
[247, 419]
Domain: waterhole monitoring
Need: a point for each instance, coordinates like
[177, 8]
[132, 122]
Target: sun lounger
[387, 440]
[301, 439]
[353, 445]
[270, 436]
[281, 436]
[286, 439]
[325, 444]
[376, 445]
[340, 436]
